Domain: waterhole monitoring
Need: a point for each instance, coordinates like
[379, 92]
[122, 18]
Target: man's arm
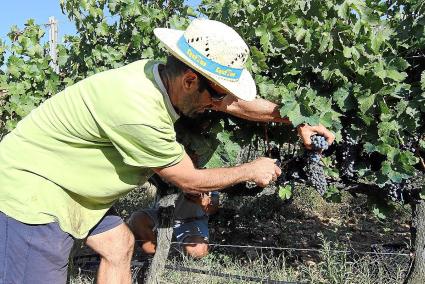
[266, 111]
[256, 110]
[189, 179]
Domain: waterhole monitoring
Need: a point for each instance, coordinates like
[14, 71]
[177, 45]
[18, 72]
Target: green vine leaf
[366, 101]
[379, 212]
[396, 76]
[285, 192]
[379, 35]
[258, 57]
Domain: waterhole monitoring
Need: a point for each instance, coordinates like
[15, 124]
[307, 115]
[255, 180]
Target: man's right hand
[263, 171]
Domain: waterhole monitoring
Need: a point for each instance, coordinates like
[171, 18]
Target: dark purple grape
[316, 176]
[319, 143]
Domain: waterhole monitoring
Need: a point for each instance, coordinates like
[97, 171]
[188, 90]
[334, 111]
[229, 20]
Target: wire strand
[291, 249]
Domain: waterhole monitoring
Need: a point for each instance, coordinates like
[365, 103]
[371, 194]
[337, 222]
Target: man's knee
[127, 243]
[121, 248]
[115, 245]
[198, 250]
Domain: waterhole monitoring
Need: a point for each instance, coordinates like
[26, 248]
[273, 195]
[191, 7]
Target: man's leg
[33, 253]
[193, 235]
[114, 242]
[142, 225]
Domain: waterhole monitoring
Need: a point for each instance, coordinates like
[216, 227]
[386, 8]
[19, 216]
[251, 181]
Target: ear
[190, 81]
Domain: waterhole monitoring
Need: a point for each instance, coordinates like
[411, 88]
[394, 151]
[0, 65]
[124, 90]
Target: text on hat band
[206, 63]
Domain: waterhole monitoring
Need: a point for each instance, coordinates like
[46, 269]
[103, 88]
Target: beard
[190, 105]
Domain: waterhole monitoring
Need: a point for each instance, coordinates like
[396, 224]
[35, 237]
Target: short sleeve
[147, 146]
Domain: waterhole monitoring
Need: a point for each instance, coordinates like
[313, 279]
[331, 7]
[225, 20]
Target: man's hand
[205, 201]
[263, 171]
[305, 131]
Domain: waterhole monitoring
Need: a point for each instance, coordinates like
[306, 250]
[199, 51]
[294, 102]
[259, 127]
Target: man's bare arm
[266, 111]
[189, 179]
[256, 110]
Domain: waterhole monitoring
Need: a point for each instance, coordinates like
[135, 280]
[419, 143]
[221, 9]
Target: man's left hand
[305, 131]
[205, 201]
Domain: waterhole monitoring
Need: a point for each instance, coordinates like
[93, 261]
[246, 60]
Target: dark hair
[175, 67]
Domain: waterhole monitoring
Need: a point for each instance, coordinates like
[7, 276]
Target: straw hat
[216, 51]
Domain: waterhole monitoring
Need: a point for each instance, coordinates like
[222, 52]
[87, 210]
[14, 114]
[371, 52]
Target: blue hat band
[207, 64]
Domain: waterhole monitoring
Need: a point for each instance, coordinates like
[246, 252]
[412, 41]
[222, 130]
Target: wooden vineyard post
[165, 233]
[417, 273]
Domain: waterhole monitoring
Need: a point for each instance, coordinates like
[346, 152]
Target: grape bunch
[348, 156]
[316, 176]
[319, 143]
[314, 170]
[313, 156]
[306, 167]
[396, 190]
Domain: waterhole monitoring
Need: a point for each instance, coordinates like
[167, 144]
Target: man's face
[197, 101]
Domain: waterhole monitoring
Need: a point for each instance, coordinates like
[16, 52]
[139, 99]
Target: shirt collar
[169, 106]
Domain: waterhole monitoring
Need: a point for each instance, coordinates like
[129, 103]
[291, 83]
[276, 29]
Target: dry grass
[333, 267]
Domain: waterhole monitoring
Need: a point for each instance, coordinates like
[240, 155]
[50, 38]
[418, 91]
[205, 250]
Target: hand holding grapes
[306, 131]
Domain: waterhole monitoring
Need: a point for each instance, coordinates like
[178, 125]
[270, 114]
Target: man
[190, 228]
[70, 159]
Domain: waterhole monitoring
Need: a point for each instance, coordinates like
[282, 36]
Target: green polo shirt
[82, 149]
